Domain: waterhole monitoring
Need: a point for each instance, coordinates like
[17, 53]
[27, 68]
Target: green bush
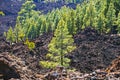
[2, 14]
[31, 45]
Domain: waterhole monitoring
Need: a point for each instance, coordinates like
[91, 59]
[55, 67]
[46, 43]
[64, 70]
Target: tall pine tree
[60, 45]
[28, 19]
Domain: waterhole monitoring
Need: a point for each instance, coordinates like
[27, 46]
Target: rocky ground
[96, 57]
[94, 50]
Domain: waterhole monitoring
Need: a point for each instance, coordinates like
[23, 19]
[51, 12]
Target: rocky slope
[94, 50]
[12, 68]
[94, 53]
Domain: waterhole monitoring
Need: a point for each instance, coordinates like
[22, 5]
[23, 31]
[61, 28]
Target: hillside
[12, 7]
[85, 58]
[59, 40]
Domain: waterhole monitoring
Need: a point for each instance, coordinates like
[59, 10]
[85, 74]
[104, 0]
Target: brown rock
[13, 68]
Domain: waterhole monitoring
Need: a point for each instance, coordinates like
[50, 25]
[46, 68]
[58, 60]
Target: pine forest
[60, 40]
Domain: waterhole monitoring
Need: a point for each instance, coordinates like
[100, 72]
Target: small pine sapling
[31, 45]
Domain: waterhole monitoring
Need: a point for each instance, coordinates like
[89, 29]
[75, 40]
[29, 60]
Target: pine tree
[56, 19]
[101, 20]
[19, 34]
[111, 17]
[81, 11]
[28, 20]
[78, 17]
[117, 6]
[72, 22]
[100, 23]
[43, 26]
[60, 45]
[38, 25]
[90, 16]
[26, 11]
[31, 31]
[118, 23]
[10, 35]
